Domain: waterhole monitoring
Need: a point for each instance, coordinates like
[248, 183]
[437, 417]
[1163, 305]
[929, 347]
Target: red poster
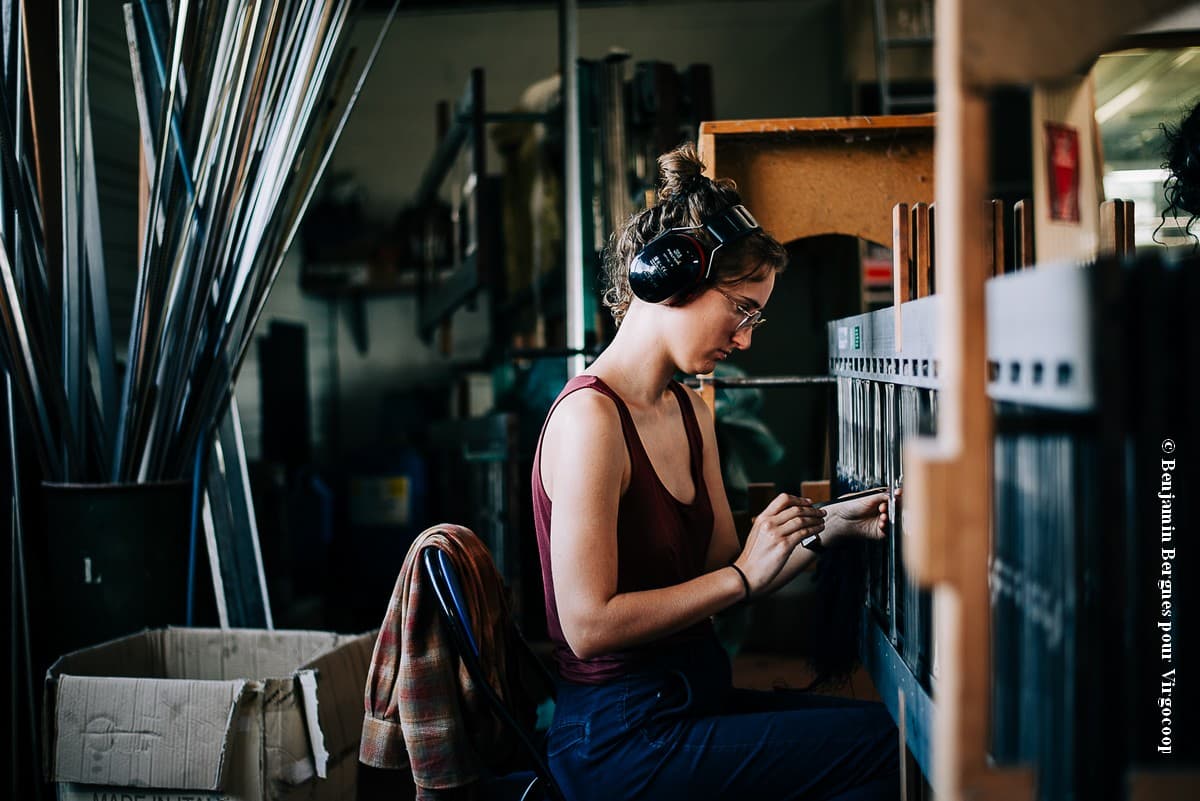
[1062, 174]
[876, 266]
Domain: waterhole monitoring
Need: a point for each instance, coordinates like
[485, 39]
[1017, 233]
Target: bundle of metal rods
[29, 291]
[240, 104]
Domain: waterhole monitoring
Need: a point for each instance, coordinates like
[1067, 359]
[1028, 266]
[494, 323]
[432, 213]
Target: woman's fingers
[791, 519]
[777, 504]
[804, 525]
[784, 501]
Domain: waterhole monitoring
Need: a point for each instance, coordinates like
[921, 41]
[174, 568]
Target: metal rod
[515, 354]
[180, 150]
[72, 26]
[141, 100]
[568, 57]
[21, 593]
[15, 606]
[762, 381]
[231, 433]
[98, 288]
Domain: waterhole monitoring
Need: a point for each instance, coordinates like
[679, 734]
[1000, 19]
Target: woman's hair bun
[682, 172]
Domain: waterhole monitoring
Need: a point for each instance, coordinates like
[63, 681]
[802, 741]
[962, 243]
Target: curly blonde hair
[686, 197]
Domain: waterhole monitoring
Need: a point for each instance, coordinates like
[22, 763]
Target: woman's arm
[585, 467]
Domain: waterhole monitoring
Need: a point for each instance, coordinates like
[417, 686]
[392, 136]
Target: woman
[1182, 186]
[638, 548]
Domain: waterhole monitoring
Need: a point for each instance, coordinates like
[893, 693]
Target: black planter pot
[117, 559]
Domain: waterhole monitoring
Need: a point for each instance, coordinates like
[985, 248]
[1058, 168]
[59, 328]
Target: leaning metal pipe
[72, 72]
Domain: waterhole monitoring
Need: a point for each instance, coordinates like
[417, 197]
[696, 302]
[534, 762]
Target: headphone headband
[731, 224]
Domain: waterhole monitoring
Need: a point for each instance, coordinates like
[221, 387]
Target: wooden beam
[922, 248]
[932, 248]
[901, 263]
[1023, 256]
[872, 125]
[996, 237]
[1112, 221]
[948, 479]
[1031, 41]
[1130, 242]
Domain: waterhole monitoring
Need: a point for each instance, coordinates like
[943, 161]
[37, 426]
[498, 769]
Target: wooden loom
[948, 477]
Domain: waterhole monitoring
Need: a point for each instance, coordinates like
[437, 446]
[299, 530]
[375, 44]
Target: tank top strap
[585, 381]
[692, 426]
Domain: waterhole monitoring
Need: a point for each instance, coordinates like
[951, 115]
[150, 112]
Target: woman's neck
[635, 364]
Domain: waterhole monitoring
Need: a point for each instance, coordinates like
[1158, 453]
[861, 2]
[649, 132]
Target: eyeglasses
[750, 319]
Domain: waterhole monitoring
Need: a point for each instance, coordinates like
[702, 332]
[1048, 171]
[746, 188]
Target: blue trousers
[679, 730]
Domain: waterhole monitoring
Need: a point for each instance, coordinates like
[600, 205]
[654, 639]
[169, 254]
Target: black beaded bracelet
[745, 581]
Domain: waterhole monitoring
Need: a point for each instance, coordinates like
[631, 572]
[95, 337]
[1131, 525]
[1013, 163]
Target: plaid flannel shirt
[423, 711]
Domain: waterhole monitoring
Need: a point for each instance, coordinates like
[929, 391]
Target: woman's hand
[776, 532]
[861, 517]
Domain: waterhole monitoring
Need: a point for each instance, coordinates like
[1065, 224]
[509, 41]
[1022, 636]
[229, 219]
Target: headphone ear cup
[670, 264]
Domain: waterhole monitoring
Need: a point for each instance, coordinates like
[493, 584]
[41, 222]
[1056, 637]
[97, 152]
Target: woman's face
[711, 321]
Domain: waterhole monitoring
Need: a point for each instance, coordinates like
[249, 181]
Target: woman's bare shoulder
[583, 412]
[584, 434]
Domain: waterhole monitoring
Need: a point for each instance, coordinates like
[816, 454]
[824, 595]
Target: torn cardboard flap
[243, 712]
[341, 677]
[308, 690]
[285, 742]
[143, 732]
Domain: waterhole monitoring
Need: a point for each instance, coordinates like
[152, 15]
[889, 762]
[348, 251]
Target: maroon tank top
[660, 541]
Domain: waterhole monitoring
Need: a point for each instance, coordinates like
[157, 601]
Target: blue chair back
[452, 604]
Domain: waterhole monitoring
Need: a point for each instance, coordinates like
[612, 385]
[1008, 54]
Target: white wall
[347, 388]
[770, 58]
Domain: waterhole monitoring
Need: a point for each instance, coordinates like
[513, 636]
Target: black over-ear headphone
[677, 260]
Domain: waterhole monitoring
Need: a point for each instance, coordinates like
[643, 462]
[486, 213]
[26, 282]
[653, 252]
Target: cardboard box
[187, 714]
